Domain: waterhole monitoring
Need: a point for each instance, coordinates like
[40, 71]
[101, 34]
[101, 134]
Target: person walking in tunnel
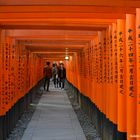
[62, 75]
[58, 80]
[54, 74]
[48, 75]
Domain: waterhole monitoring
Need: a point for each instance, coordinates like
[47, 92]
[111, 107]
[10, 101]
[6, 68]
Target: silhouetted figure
[62, 75]
[54, 74]
[48, 75]
[58, 81]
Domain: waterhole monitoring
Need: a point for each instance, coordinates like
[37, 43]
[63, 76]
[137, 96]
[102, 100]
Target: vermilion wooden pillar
[138, 71]
[96, 71]
[110, 71]
[1, 73]
[121, 116]
[104, 71]
[100, 76]
[114, 74]
[131, 75]
[107, 93]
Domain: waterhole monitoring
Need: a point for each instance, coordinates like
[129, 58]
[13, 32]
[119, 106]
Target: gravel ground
[86, 124]
[21, 125]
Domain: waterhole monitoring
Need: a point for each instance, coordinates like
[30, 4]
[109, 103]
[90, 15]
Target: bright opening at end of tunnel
[66, 57]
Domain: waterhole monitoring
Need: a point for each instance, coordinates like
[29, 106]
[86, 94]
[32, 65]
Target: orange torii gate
[103, 50]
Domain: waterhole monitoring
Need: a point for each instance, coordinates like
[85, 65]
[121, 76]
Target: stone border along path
[21, 125]
[86, 124]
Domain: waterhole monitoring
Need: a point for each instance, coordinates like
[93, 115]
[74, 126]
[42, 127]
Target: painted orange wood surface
[121, 117]
[138, 71]
[131, 74]
[99, 37]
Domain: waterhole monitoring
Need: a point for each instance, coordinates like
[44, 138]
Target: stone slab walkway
[54, 119]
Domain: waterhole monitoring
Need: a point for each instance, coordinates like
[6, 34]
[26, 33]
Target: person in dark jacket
[59, 82]
[62, 75]
[48, 75]
[54, 74]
